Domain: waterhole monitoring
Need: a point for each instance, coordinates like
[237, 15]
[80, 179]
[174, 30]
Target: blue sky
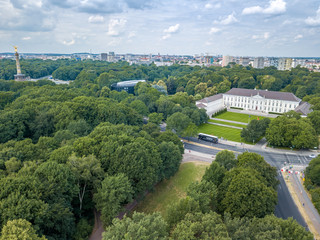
[234, 27]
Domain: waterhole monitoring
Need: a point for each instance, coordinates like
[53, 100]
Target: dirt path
[98, 227]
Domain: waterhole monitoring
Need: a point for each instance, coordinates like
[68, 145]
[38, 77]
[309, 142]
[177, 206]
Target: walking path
[223, 125]
[256, 113]
[303, 202]
[224, 120]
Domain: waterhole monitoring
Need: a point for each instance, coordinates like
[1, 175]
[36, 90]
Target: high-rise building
[285, 64]
[111, 56]
[226, 60]
[104, 56]
[258, 62]
[273, 62]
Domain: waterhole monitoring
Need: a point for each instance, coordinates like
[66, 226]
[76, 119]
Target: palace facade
[254, 100]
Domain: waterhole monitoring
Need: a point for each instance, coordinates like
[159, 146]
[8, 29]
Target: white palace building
[254, 100]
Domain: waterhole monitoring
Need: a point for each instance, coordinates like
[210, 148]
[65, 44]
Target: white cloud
[69, 43]
[166, 36]
[212, 6]
[252, 10]
[299, 36]
[132, 34]
[274, 7]
[26, 38]
[264, 36]
[214, 30]
[116, 26]
[228, 20]
[96, 19]
[172, 29]
[314, 21]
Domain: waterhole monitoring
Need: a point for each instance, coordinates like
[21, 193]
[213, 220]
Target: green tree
[88, 173]
[19, 229]
[226, 159]
[215, 173]
[271, 227]
[171, 159]
[140, 107]
[200, 226]
[113, 193]
[257, 162]
[205, 193]
[313, 171]
[190, 131]
[246, 196]
[140, 226]
[13, 165]
[315, 119]
[176, 212]
[179, 122]
[155, 118]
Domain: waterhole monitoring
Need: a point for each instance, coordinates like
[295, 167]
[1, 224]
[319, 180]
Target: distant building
[104, 56]
[111, 57]
[273, 62]
[127, 86]
[254, 100]
[258, 62]
[226, 60]
[285, 64]
[244, 61]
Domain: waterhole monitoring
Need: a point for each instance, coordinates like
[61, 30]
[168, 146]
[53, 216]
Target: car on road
[312, 155]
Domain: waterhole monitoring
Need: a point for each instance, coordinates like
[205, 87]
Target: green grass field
[227, 123]
[170, 191]
[219, 131]
[238, 117]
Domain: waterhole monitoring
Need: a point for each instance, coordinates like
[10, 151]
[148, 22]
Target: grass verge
[170, 191]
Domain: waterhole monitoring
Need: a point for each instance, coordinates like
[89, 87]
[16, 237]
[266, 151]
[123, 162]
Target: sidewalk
[223, 125]
[255, 113]
[191, 156]
[224, 120]
[304, 204]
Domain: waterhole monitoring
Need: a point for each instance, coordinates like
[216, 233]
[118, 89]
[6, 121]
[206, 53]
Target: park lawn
[170, 191]
[238, 117]
[227, 123]
[231, 134]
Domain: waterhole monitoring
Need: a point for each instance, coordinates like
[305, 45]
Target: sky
[289, 28]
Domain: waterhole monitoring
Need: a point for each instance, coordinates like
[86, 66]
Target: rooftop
[286, 96]
[130, 83]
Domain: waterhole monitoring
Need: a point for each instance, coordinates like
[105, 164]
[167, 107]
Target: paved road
[286, 206]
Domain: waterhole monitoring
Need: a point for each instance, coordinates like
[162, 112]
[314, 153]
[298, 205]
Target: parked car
[312, 155]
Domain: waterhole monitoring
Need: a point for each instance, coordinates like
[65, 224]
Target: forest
[66, 150]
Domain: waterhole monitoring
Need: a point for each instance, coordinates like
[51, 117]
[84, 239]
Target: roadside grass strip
[238, 117]
[170, 191]
[227, 123]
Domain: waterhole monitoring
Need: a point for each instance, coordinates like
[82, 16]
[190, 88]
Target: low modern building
[254, 100]
[127, 86]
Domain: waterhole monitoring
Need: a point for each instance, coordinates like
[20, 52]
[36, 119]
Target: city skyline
[254, 28]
